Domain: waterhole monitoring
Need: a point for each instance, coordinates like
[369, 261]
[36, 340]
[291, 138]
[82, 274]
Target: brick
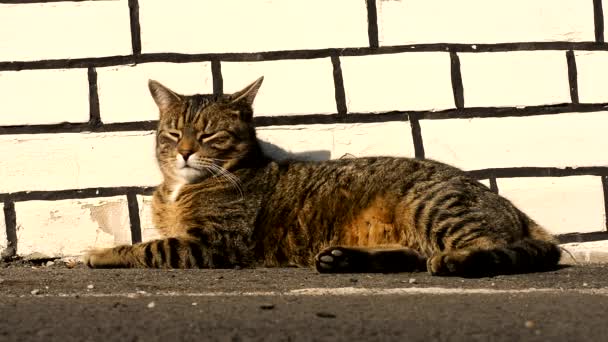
[148, 231]
[592, 69]
[44, 96]
[3, 239]
[123, 90]
[323, 142]
[585, 252]
[562, 205]
[64, 30]
[405, 81]
[514, 78]
[70, 227]
[251, 26]
[544, 140]
[73, 161]
[290, 86]
[480, 21]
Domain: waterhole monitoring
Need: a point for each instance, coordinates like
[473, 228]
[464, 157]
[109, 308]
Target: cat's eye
[175, 135]
[205, 136]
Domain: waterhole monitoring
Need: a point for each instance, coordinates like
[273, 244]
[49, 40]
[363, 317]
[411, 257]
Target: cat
[224, 203]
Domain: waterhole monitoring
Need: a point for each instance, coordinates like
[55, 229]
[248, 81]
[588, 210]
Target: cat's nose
[186, 154]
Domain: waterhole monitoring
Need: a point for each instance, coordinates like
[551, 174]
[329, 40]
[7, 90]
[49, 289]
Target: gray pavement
[60, 304]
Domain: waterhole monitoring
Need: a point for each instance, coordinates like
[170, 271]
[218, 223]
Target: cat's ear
[247, 94]
[164, 97]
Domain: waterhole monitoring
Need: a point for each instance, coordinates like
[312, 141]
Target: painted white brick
[290, 86]
[3, 239]
[405, 81]
[70, 227]
[323, 142]
[592, 69]
[573, 139]
[482, 21]
[64, 30]
[44, 96]
[148, 231]
[560, 204]
[70, 161]
[251, 26]
[124, 94]
[514, 78]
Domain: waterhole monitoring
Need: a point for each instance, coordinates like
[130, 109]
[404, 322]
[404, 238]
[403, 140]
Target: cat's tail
[522, 256]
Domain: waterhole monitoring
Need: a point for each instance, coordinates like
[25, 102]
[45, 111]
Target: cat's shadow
[281, 154]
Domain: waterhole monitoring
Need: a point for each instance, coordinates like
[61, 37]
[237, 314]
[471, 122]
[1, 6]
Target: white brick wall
[123, 90]
[405, 81]
[64, 30]
[562, 205]
[73, 161]
[546, 140]
[70, 227]
[482, 21]
[592, 68]
[290, 87]
[252, 25]
[514, 78]
[291, 44]
[322, 142]
[44, 96]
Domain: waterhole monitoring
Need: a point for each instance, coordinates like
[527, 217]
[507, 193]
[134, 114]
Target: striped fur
[223, 203]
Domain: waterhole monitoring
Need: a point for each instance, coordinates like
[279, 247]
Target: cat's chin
[190, 175]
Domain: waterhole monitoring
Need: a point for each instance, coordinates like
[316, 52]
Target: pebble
[267, 306]
[585, 284]
[49, 263]
[412, 281]
[325, 315]
[90, 286]
[194, 304]
[35, 291]
[151, 305]
[529, 324]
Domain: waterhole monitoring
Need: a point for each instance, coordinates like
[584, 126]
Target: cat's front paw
[338, 260]
[448, 264]
[101, 258]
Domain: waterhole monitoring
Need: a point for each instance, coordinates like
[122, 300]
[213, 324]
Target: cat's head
[200, 136]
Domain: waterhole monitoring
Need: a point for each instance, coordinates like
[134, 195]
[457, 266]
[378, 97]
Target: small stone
[151, 305]
[194, 304]
[1, 280]
[267, 306]
[585, 284]
[90, 286]
[49, 263]
[493, 284]
[35, 291]
[141, 292]
[325, 315]
[529, 324]
[412, 281]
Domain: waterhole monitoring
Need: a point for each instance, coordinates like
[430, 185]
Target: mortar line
[339, 92]
[10, 220]
[218, 80]
[605, 191]
[372, 23]
[416, 136]
[135, 27]
[598, 19]
[94, 112]
[456, 76]
[572, 76]
[134, 219]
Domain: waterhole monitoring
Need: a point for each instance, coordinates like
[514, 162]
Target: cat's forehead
[201, 112]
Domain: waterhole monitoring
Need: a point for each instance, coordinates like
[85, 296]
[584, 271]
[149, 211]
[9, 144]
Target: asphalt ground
[56, 303]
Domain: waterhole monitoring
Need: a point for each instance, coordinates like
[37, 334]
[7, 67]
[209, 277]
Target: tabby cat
[224, 203]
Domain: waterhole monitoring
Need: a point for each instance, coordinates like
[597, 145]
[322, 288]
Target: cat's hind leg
[344, 259]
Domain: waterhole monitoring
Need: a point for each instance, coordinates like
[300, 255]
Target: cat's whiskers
[219, 172]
